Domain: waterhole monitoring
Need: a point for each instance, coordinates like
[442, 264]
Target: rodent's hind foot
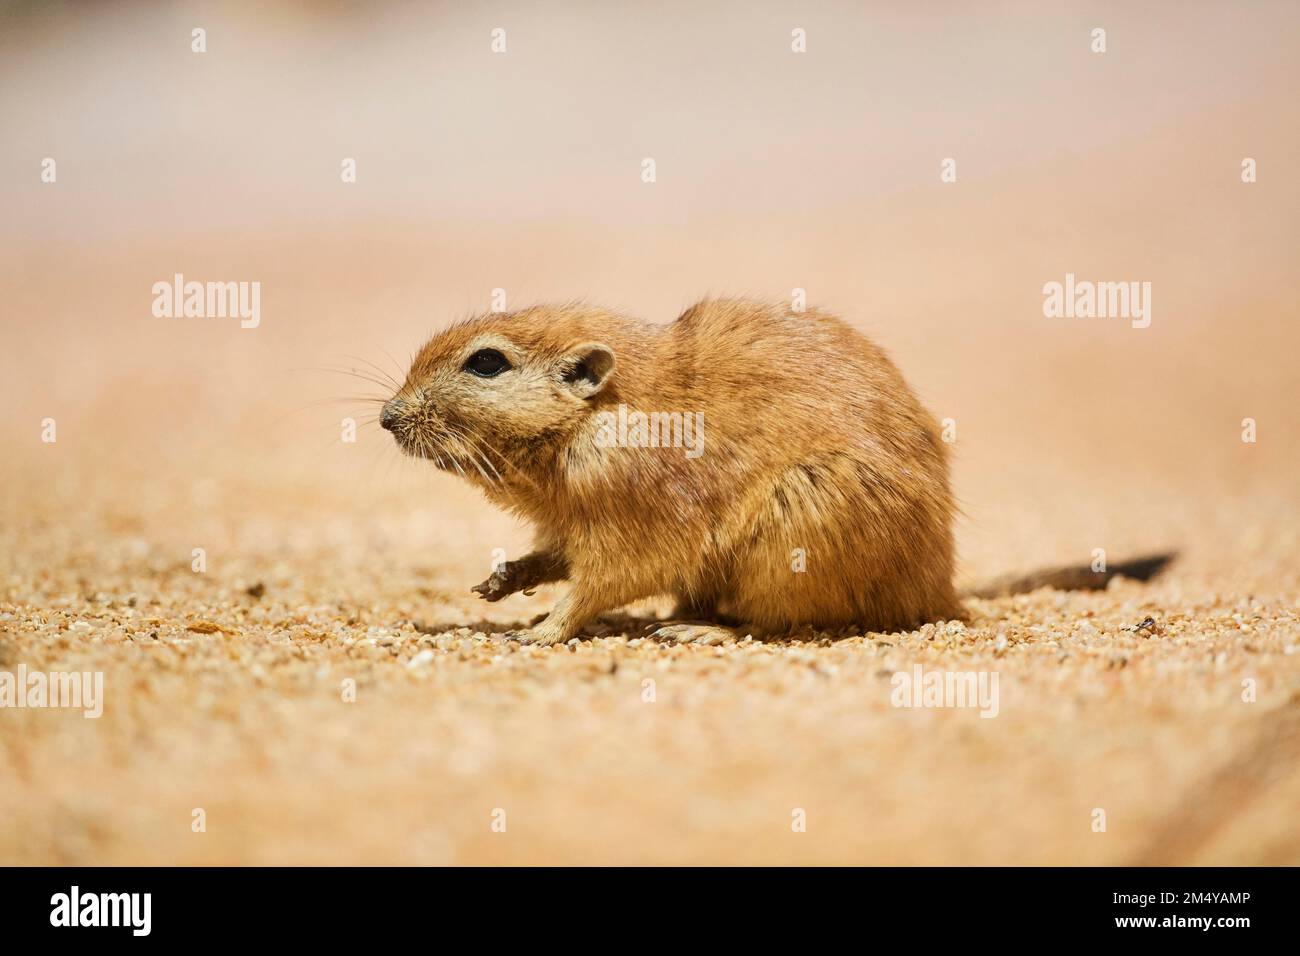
[693, 633]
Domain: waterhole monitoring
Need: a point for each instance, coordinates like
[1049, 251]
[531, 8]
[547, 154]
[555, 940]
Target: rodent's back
[802, 378]
[822, 492]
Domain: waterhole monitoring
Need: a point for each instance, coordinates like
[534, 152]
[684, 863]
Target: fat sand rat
[770, 469]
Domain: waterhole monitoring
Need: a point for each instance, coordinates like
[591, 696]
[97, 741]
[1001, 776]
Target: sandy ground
[327, 690]
[450, 724]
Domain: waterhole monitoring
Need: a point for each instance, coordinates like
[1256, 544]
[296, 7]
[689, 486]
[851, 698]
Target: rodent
[815, 493]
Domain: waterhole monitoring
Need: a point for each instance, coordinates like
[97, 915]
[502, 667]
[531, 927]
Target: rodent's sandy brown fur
[813, 441]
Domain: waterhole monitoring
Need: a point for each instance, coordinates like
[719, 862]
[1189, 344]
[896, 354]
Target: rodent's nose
[391, 413]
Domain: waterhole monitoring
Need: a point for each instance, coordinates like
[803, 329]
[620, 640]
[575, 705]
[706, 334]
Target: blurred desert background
[330, 561]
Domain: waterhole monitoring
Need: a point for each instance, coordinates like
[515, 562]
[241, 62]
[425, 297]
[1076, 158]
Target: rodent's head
[485, 391]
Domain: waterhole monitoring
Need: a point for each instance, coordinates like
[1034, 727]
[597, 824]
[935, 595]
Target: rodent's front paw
[538, 635]
[495, 587]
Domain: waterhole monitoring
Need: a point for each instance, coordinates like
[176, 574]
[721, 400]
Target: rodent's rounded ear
[586, 368]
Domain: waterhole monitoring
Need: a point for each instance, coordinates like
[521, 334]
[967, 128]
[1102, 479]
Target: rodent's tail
[1075, 577]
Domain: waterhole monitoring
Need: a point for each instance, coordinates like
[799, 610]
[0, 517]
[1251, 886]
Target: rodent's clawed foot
[523, 575]
[539, 634]
[693, 633]
[496, 586]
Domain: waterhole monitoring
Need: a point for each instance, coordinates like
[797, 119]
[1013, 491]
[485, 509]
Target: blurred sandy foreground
[329, 562]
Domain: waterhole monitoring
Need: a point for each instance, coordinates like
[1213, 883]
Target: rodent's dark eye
[486, 363]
